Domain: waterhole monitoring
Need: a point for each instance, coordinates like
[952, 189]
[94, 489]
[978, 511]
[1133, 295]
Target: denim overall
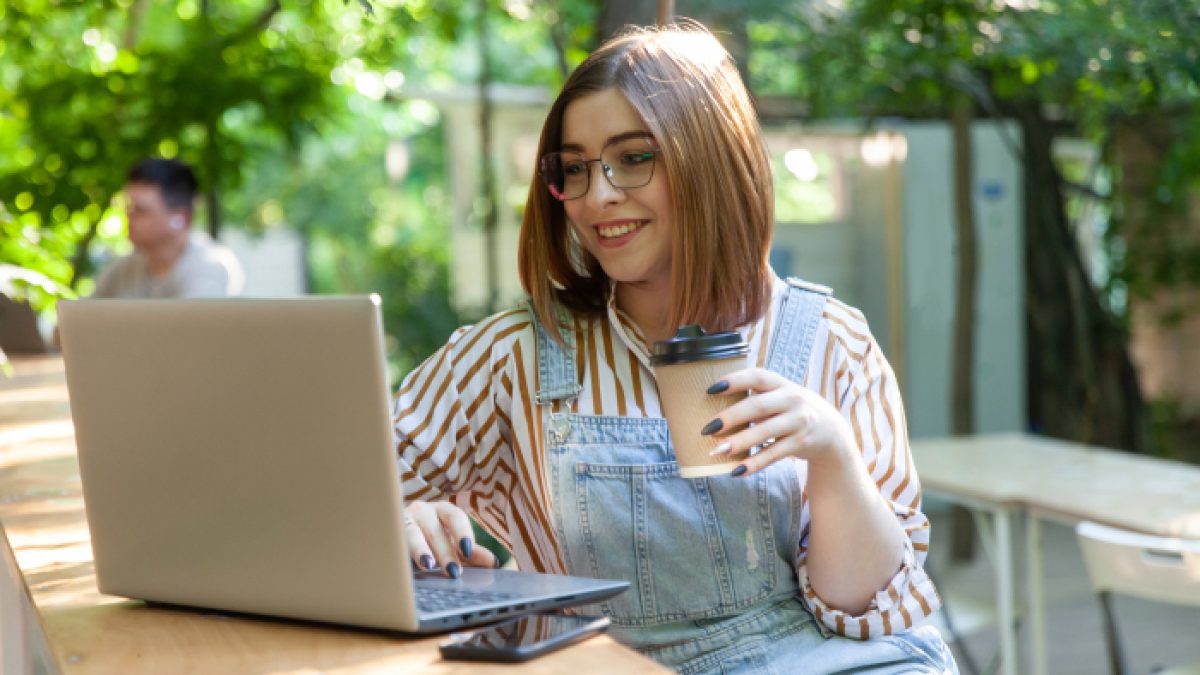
[709, 560]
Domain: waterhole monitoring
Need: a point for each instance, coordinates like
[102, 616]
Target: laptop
[238, 454]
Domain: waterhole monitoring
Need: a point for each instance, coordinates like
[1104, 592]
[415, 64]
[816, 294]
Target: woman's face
[627, 230]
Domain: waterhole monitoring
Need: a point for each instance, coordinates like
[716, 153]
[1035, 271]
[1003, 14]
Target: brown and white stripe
[468, 429]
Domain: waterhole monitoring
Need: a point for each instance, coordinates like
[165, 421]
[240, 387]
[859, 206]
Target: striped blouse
[468, 428]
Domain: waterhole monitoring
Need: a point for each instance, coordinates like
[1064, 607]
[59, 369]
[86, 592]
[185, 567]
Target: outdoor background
[1007, 188]
[351, 132]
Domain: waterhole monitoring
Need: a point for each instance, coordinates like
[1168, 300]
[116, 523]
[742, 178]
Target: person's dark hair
[174, 179]
[687, 90]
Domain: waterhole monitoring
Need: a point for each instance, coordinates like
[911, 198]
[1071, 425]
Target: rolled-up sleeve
[452, 434]
[865, 391]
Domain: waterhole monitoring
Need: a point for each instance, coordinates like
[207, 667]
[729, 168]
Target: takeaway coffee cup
[685, 366]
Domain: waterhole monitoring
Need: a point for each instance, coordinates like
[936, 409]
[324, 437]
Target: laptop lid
[233, 454]
[238, 454]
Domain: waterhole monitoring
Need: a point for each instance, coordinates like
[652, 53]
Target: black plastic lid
[691, 343]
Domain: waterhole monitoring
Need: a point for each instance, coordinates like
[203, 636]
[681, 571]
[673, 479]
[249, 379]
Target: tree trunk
[666, 12]
[212, 202]
[616, 14]
[487, 180]
[962, 404]
[81, 263]
[1162, 246]
[558, 40]
[1081, 382]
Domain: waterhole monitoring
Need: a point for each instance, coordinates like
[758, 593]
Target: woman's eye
[573, 168]
[632, 158]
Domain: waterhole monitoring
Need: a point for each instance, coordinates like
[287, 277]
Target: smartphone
[522, 638]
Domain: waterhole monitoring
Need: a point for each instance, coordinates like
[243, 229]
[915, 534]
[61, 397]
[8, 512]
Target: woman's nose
[601, 192]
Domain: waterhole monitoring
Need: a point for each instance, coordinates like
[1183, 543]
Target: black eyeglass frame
[606, 169]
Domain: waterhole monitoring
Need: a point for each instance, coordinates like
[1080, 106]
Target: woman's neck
[649, 307]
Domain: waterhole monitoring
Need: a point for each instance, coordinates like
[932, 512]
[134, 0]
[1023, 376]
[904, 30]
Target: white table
[1020, 476]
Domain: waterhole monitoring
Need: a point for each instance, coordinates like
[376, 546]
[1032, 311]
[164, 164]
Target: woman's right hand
[439, 534]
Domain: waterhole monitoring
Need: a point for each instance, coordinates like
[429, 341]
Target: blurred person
[169, 258]
[653, 208]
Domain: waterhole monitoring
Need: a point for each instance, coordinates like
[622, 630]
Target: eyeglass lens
[627, 163]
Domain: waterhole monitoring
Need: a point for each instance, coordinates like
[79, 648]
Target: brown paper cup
[681, 388]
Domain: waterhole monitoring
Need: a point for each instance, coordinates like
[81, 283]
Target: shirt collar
[626, 329]
[629, 333]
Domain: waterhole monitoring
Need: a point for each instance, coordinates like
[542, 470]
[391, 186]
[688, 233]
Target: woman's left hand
[789, 421]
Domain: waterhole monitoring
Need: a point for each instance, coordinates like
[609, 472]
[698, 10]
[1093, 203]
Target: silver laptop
[238, 454]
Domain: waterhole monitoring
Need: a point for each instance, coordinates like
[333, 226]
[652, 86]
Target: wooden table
[41, 508]
[1034, 478]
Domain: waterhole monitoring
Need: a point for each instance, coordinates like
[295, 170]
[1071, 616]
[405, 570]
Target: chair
[1155, 568]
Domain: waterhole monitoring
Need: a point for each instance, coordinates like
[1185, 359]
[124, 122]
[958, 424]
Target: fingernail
[738, 470]
[453, 570]
[711, 428]
[465, 545]
[722, 448]
[718, 387]
[427, 562]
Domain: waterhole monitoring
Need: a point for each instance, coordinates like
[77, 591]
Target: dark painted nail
[738, 470]
[711, 428]
[465, 545]
[427, 562]
[718, 387]
[453, 570]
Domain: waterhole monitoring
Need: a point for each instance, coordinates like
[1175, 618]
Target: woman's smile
[617, 233]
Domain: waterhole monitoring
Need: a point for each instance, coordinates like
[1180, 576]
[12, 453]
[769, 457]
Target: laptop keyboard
[442, 599]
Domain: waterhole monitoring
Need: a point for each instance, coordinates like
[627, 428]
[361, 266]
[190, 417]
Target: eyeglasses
[626, 163]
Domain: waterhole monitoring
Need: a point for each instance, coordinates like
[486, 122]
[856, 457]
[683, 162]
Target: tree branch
[559, 40]
[1085, 190]
[133, 25]
[256, 25]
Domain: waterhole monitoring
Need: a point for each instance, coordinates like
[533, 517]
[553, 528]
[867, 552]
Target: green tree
[1058, 67]
[109, 82]
[241, 89]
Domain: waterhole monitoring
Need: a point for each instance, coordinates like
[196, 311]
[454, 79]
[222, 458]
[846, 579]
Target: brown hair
[685, 87]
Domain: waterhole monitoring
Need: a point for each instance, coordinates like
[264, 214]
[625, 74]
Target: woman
[653, 209]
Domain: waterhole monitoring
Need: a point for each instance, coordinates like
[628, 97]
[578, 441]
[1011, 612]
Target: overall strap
[557, 379]
[796, 329]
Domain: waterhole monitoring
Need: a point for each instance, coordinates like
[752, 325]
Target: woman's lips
[617, 232]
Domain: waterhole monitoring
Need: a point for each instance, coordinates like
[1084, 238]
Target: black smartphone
[522, 638]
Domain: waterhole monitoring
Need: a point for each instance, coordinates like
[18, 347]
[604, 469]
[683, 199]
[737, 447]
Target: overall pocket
[692, 548]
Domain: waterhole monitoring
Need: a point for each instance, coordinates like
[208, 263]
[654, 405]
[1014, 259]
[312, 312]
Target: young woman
[653, 208]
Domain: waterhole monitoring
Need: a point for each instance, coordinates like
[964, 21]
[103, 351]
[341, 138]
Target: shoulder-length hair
[685, 87]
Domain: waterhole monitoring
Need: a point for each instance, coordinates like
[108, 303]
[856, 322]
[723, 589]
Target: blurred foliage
[1176, 428]
[366, 232]
[88, 88]
[1089, 65]
[287, 110]
[1124, 75]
